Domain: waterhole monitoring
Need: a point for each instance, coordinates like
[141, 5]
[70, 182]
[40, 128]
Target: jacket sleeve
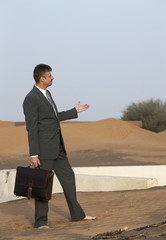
[31, 117]
[69, 114]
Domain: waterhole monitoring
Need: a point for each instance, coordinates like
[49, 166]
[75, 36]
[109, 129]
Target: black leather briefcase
[33, 183]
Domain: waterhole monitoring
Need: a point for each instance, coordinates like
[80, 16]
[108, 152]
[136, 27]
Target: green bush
[152, 113]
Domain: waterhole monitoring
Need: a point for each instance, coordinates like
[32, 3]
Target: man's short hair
[40, 70]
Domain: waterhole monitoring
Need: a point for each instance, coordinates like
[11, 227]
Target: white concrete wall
[154, 171]
[7, 180]
[97, 179]
[94, 183]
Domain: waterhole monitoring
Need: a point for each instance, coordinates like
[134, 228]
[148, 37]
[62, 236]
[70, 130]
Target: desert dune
[119, 141]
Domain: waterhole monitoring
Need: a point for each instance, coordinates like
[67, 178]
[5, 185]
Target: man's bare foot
[89, 218]
[43, 227]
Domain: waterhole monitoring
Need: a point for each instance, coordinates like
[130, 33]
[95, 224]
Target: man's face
[47, 79]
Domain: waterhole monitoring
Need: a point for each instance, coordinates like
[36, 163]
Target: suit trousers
[66, 178]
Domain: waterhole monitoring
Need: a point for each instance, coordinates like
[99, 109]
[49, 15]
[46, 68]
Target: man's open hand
[81, 108]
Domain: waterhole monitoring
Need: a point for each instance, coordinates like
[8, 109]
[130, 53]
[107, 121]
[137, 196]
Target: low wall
[97, 179]
[153, 171]
[92, 183]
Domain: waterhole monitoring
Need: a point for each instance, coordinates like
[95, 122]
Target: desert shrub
[152, 113]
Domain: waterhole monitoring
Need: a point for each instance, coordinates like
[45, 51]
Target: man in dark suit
[46, 145]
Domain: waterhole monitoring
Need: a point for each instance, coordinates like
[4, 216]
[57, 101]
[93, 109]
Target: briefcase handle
[38, 167]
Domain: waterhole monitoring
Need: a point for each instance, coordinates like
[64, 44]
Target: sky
[106, 53]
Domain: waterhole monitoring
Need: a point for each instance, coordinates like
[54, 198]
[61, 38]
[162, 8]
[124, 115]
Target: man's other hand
[35, 161]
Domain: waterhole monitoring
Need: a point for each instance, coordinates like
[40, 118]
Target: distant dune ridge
[111, 134]
[6, 124]
[101, 134]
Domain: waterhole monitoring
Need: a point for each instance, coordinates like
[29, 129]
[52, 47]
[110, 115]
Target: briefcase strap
[30, 190]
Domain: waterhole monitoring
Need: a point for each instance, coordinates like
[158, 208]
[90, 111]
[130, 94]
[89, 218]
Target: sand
[108, 142]
[114, 210]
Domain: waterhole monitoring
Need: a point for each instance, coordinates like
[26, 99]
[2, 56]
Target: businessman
[46, 145]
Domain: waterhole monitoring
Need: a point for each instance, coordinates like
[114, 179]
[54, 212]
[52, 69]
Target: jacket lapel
[43, 98]
[55, 107]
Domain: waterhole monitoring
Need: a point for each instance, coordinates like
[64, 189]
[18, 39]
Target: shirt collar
[42, 90]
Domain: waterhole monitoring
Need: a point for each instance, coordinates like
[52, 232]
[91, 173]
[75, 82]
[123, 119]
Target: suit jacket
[44, 132]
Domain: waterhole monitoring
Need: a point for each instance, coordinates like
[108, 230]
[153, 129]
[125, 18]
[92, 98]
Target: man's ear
[41, 80]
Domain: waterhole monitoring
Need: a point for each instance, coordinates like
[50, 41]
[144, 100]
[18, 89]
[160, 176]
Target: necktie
[51, 102]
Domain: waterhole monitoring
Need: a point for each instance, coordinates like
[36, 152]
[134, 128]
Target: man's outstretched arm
[72, 113]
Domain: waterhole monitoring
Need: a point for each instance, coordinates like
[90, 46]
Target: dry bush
[152, 113]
